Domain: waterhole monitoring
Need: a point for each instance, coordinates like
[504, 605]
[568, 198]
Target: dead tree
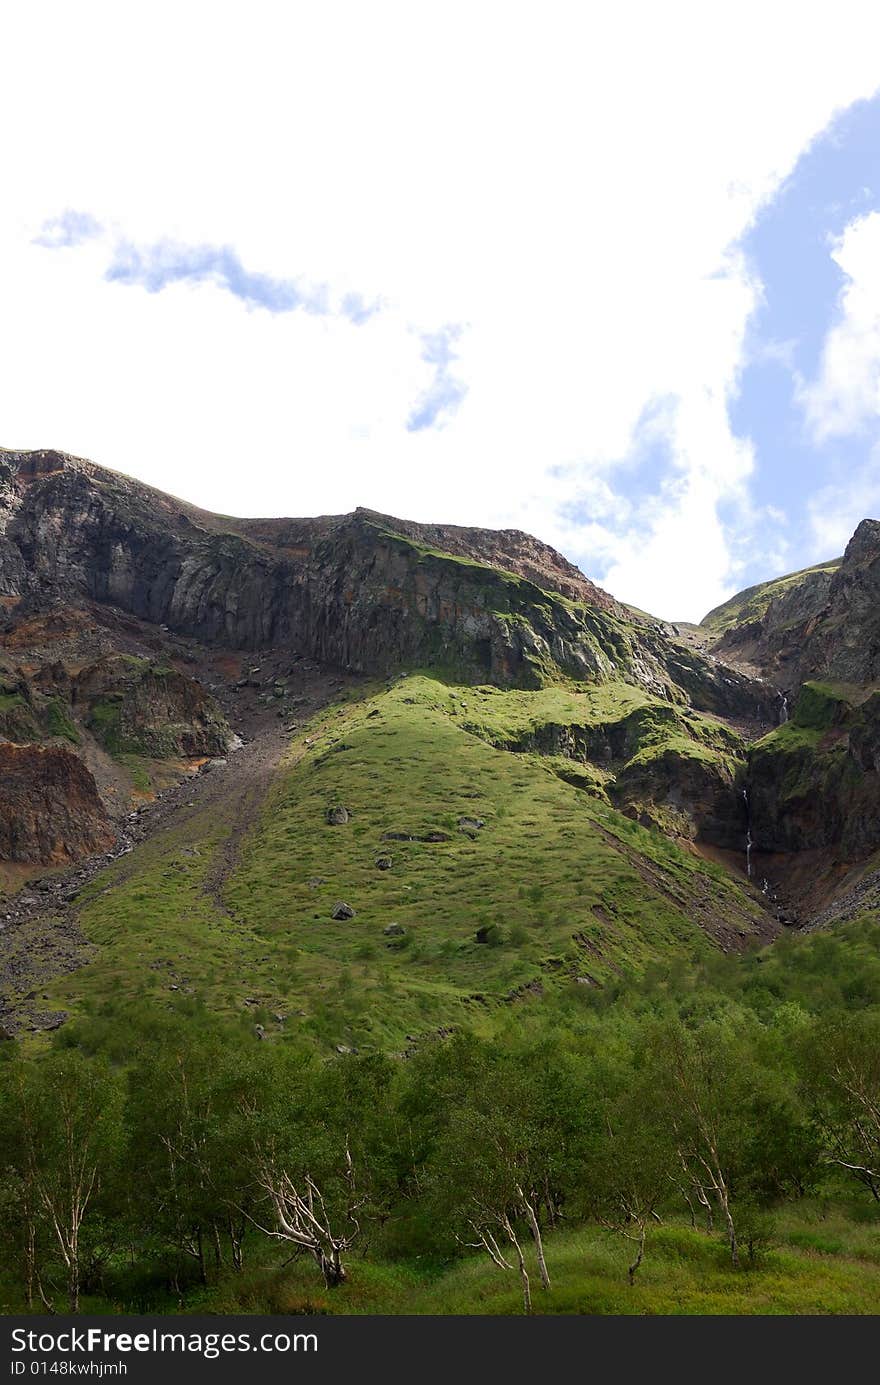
[855, 1144]
[302, 1218]
[486, 1240]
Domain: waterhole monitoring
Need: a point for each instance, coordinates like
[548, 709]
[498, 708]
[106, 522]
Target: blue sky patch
[445, 392]
[836, 181]
[156, 266]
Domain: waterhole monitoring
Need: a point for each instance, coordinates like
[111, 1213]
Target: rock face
[364, 592]
[360, 591]
[825, 623]
[657, 764]
[815, 783]
[50, 809]
[144, 708]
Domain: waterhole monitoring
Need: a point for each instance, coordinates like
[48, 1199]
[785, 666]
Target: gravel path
[40, 935]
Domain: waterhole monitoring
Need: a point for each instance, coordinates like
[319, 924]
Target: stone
[411, 837]
[337, 815]
[487, 933]
[384, 862]
[470, 825]
[394, 930]
[342, 911]
[50, 808]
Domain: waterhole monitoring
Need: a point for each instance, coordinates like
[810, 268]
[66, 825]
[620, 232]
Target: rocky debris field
[40, 936]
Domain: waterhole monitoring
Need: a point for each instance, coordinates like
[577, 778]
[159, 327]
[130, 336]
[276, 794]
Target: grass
[572, 887]
[752, 603]
[642, 728]
[59, 723]
[105, 721]
[822, 1260]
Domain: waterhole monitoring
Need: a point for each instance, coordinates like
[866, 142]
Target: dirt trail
[40, 935]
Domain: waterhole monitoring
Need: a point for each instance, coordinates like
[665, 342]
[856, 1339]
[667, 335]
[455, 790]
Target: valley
[616, 767]
[401, 863]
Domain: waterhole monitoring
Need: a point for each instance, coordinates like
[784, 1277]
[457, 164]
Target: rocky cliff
[821, 623]
[368, 594]
[50, 810]
[363, 591]
[594, 787]
[813, 783]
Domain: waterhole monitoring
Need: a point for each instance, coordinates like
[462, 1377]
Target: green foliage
[105, 721]
[58, 721]
[820, 705]
[586, 1131]
[533, 1118]
[17, 719]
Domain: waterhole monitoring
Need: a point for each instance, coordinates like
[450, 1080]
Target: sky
[606, 273]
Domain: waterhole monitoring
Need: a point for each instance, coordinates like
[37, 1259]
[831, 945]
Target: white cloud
[561, 180]
[846, 394]
[838, 508]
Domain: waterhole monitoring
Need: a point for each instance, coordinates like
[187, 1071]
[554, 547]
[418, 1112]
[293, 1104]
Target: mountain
[748, 615]
[365, 778]
[814, 782]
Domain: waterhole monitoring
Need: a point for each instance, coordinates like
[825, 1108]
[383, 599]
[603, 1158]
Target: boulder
[470, 825]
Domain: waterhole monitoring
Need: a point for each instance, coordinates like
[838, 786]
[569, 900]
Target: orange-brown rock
[50, 809]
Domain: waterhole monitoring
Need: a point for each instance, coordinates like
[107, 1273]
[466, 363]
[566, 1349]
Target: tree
[66, 1138]
[506, 1146]
[312, 1137]
[171, 1110]
[701, 1079]
[841, 1073]
[22, 1224]
[631, 1165]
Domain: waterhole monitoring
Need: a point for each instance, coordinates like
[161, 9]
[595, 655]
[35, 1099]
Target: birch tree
[631, 1163]
[702, 1081]
[69, 1114]
[841, 1065]
[316, 1139]
[507, 1140]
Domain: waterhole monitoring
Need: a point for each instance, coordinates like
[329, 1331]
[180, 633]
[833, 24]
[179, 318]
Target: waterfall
[749, 842]
[783, 710]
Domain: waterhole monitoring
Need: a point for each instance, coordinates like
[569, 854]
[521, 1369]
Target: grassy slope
[573, 888]
[808, 740]
[824, 1259]
[751, 603]
[686, 1272]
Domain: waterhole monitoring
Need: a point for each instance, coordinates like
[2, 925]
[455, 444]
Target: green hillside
[750, 604]
[554, 889]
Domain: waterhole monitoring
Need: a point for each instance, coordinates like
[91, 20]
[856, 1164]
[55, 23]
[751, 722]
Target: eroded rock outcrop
[138, 707]
[361, 591]
[822, 623]
[815, 783]
[50, 809]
